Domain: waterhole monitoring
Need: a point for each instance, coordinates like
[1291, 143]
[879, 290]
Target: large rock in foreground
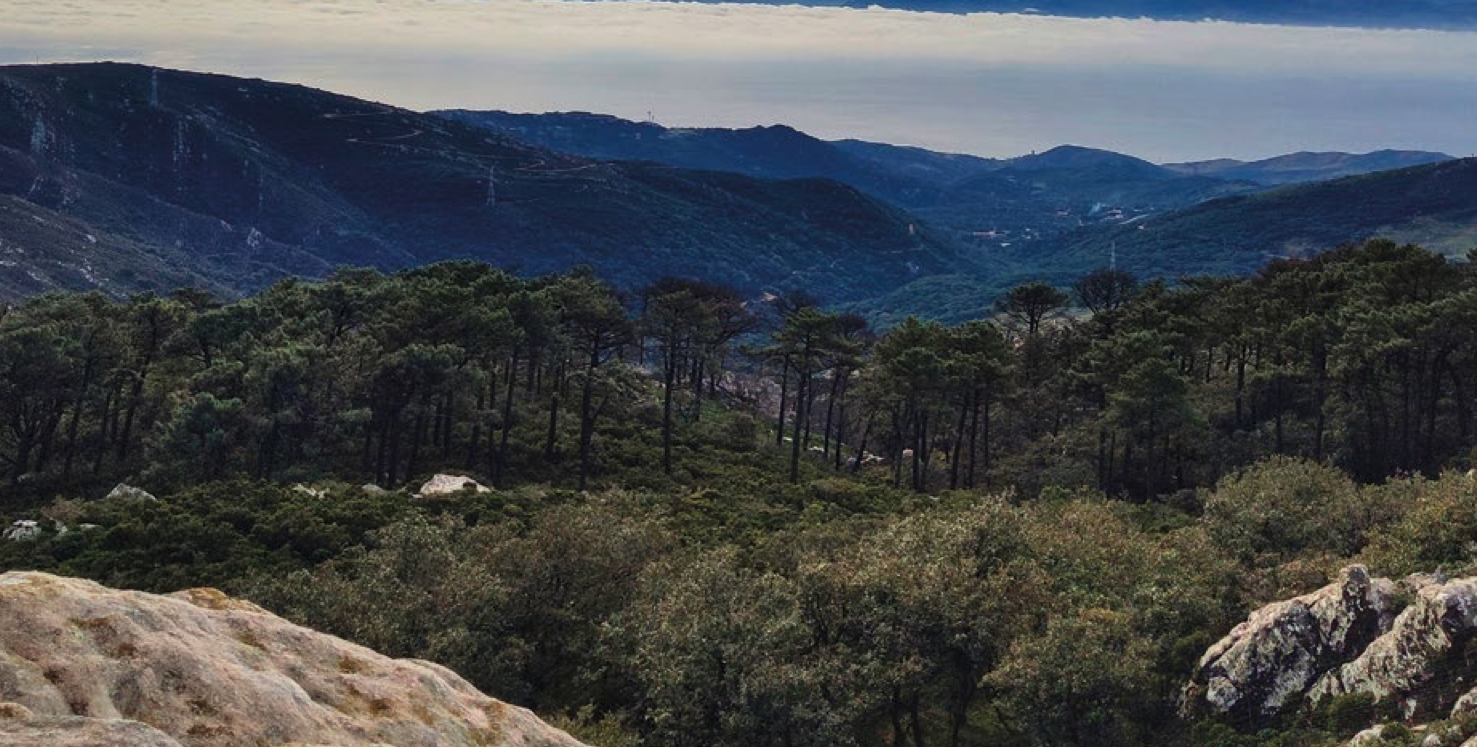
[1421, 664]
[1270, 661]
[81, 664]
[1345, 639]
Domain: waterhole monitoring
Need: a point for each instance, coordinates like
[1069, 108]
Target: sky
[985, 83]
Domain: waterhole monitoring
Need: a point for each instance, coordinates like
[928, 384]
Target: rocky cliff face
[1347, 639]
[81, 664]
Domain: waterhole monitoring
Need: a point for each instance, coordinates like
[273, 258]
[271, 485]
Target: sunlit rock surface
[81, 664]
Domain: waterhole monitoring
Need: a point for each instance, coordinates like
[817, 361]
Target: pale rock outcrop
[1465, 705]
[1410, 662]
[81, 664]
[1370, 736]
[309, 490]
[23, 529]
[1267, 662]
[440, 486]
[125, 492]
[1342, 640]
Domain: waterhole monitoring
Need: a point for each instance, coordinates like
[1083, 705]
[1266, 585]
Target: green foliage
[1346, 714]
[938, 554]
[212, 534]
[1288, 506]
[1435, 530]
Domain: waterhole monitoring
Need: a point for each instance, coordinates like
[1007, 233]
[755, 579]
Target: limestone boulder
[81, 664]
[125, 492]
[441, 486]
[1417, 662]
[22, 529]
[1268, 662]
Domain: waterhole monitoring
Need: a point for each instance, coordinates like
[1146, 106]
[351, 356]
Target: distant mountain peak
[1078, 157]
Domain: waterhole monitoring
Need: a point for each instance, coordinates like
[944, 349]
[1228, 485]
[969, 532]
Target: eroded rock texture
[1268, 662]
[1345, 639]
[81, 664]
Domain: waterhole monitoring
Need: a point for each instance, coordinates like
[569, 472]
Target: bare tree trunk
[501, 462]
[801, 415]
[779, 430]
[956, 452]
[587, 417]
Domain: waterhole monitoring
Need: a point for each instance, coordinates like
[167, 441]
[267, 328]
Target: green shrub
[1284, 507]
[1345, 715]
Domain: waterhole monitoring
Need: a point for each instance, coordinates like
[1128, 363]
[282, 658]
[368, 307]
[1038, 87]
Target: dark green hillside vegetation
[124, 179]
[1435, 205]
[717, 523]
[1432, 205]
[775, 152]
[231, 184]
[983, 204]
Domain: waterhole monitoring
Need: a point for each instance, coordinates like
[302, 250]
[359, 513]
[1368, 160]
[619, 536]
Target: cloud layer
[985, 83]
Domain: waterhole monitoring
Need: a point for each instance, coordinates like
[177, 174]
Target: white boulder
[127, 492]
[440, 486]
[24, 529]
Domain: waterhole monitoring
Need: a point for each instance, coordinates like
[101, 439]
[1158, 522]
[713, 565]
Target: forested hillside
[1435, 205]
[986, 204]
[123, 178]
[712, 522]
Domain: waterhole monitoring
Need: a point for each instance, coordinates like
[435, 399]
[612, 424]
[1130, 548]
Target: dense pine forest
[714, 520]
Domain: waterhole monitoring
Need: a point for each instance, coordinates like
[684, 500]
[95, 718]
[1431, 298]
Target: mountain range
[1433, 205]
[984, 203]
[979, 201]
[124, 178]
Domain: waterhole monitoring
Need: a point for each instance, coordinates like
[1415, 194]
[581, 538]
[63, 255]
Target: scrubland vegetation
[718, 522]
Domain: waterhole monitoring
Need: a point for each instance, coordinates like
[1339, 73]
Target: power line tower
[492, 185]
[154, 89]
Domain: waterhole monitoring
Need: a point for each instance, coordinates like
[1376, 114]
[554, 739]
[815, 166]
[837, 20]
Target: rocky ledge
[1404, 644]
[81, 664]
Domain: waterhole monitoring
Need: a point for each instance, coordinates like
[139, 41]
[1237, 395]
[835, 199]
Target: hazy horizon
[988, 84]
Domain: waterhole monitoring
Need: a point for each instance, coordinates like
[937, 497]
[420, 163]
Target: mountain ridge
[1309, 166]
[1434, 205]
[984, 203]
[233, 183]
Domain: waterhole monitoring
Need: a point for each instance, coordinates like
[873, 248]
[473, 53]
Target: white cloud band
[984, 82]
